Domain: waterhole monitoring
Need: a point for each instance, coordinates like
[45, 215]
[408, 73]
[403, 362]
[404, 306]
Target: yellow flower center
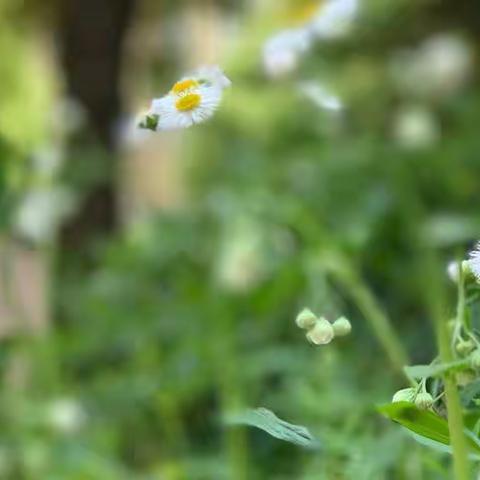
[184, 85]
[188, 102]
[301, 11]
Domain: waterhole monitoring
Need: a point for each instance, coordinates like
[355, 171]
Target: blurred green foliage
[190, 314]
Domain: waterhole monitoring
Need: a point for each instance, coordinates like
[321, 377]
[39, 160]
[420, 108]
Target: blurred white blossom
[283, 51]
[240, 264]
[438, 67]
[415, 127]
[66, 415]
[334, 19]
[41, 211]
[47, 161]
[320, 96]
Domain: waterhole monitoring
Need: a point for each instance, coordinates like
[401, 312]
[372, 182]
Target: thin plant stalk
[458, 441]
[374, 314]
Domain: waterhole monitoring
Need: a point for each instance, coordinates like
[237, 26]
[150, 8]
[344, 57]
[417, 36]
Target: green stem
[374, 314]
[455, 418]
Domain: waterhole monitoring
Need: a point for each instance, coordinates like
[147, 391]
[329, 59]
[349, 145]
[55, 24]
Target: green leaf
[469, 392]
[267, 421]
[425, 371]
[150, 122]
[425, 423]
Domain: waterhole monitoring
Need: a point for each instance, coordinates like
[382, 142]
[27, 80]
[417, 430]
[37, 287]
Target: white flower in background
[439, 67]
[41, 212]
[191, 100]
[47, 161]
[334, 19]
[241, 264]
[474, 262]
[66, 415]
[320, 96]
[415, 127]
[283, 51]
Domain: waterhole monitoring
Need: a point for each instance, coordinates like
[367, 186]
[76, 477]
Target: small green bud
[464, 347]
[404, 395]
[342, 327]
[149, 122]
[306, 319]
[322, 332]
[475, 359]
[424, 401]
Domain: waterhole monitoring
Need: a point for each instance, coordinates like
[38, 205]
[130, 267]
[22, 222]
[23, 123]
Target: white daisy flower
[334, 19]
[282, 52]
[474, 262]
[191, 100]
[184, 109]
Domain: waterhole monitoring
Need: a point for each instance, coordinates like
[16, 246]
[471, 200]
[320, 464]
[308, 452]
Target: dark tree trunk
[92, 35]
[91, 40]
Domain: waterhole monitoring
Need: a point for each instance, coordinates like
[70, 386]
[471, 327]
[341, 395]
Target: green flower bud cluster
[319, 330]
[464, 347]
[422, 400]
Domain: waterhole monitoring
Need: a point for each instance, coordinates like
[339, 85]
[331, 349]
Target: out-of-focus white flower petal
[66, 415]
[214, 75]
[41, 212]
[322, 97]
[334, 19]
[415, 127]
[439, 67]
[282, 52]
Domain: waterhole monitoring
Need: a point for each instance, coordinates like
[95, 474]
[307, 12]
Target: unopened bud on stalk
[322, 332]
[424, 401]
[342, 327]
[404, 395]
[464, 347]
[475, 359]
[454, 267]
[306, 319]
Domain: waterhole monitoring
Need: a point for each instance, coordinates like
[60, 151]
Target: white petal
[335, 18]
[214, 75]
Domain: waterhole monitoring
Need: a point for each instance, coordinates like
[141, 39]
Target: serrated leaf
[424, 423]
[425, 371]
[267, 421]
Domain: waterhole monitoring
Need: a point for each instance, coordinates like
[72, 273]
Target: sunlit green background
[127, 336]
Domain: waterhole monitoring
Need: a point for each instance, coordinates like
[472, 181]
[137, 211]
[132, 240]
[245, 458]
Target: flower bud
[306, 319]
[322, 332]
[342, 327]
[453, 270]
[404, 395]
[475, 359]
[464, 347]
[424, 401]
